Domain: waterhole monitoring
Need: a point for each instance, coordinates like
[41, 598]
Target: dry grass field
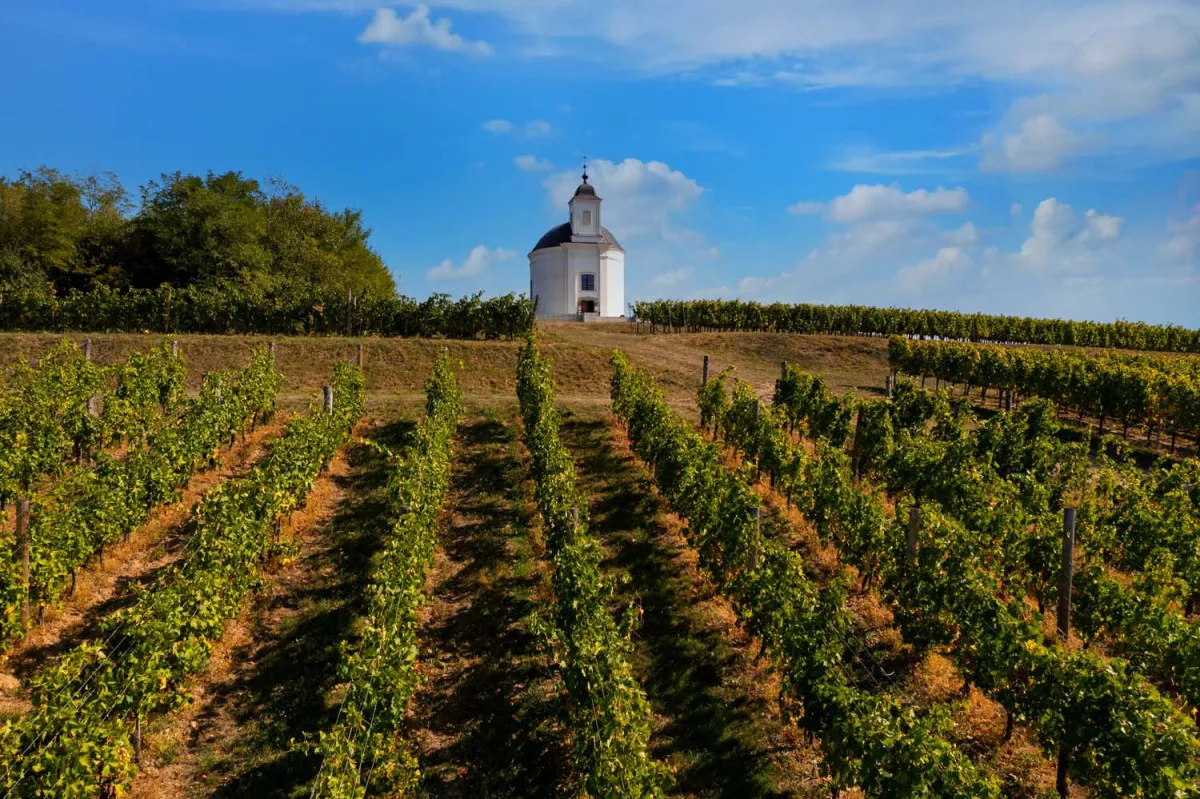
[397, 368]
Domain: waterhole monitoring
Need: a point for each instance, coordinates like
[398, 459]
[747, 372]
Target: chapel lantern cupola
[585, 212]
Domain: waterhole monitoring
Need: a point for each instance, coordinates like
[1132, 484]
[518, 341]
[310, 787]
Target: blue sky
[1029, 157]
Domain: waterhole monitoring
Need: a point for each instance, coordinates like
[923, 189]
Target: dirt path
[718, 725]
[276, 662]
[482, 718]
[108, 583]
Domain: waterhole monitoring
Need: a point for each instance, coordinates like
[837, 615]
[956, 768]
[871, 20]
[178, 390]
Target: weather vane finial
[585, 169]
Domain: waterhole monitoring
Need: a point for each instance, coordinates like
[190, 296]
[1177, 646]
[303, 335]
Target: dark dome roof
[585, 190]
[562, 235]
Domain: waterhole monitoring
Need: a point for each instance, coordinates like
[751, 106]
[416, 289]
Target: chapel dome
[561, 234]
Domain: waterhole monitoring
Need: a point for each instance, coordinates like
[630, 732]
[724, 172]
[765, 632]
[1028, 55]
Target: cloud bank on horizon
[1033, 157]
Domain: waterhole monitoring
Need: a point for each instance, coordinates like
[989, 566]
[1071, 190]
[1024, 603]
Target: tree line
[218, 253]
[60, 232]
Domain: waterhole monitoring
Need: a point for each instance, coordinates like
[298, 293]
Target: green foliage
[870, 740]
[58, 229]
[93, 508]
[288, 310]
[76, 741]
[1161, 392]
[863, 320]
[382, 670]
[45, 418]
[224, 232]
[1007, 485]
[608, 715]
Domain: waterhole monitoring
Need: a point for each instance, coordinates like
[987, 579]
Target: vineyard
[596, 563]
[860, 320]
[205, 310]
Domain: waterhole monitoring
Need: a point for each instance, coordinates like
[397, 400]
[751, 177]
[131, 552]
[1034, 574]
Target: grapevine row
[1108, 388]
[197, 309]
[363, 749]
[609, 716]
[81, 737]
[873, 741]
[79, 516]
[47, 417]
[1107, 726]
[1007, 483]
[862, 320]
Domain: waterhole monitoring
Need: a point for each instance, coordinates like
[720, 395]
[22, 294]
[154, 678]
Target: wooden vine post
[783, 370]
[87, 348]
[361, 357]
[1008, 399]
[1067, 574]
[757, 537]
[856, 455]
[271, 349]
[175, 348]
[23, 554]
[888, 383]
[328, 390]
[914, 523]
[704, 373]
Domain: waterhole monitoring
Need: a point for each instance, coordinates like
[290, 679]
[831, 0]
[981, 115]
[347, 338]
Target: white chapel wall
[547, 269]
[612, 287]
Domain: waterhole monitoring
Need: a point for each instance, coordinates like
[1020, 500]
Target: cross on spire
[585, 175]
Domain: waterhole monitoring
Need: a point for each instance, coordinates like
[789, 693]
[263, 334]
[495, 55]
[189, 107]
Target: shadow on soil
[283, 699]
[714, 736]
[491, 716]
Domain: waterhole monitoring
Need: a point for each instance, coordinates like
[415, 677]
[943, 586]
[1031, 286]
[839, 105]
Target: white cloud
[740, 78]
[1184, 244]
[1097, 226]
[1041, 144]
[947, 262]
[531, 163]
[1058, 243]
[534, 129]
[674, 277]
[874, 201]
[867, 241]
[418, 29]
[965, 236]
[1052, 227]
[476, 264]
[640, 197]
[806, 207]
[903, 162]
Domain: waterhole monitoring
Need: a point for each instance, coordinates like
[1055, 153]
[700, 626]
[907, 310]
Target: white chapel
[577, 270]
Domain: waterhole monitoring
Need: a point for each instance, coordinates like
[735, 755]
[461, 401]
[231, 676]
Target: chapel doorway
[587, 306]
